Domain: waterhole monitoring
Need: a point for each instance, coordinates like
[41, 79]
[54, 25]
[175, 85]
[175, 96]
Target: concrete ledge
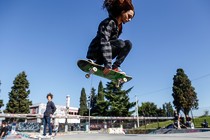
[115, 131]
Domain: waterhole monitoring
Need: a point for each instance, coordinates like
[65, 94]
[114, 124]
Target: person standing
[50, 109]
[188, 121]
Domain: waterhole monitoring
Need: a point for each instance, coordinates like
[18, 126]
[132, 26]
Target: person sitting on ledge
[204, 124]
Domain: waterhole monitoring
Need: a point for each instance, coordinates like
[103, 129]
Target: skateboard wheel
[87, 75]
[117, 85]
[125, 80]
[94, 69]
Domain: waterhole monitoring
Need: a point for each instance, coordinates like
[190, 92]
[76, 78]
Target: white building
[60, 111]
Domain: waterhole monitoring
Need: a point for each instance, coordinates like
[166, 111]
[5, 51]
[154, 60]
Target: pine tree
[185, 97]
[100, 96]
[93, 98]
[118, 101]
[1, 101]
[1, 104]
[83, 110]
[164, 111]
[18, 97]
[101, 105]
[169, 109]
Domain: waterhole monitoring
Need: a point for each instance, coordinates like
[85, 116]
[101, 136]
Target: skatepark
[98, 136]
[188, 136]
[165, 45]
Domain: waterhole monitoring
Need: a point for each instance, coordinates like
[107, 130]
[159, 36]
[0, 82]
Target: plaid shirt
[100, 46]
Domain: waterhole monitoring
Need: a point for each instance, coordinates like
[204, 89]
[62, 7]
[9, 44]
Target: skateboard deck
[90, 67]
[40, 137]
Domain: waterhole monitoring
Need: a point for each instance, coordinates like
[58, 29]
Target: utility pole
[89, 106]
[137, 111]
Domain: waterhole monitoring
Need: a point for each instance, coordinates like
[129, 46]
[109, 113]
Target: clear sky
[45, 38]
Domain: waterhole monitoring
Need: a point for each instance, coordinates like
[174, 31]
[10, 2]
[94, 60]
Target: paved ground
[181, 136]
[188, 136]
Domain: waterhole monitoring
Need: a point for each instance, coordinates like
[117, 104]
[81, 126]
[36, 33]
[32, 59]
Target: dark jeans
[120, 50]
[46, 121]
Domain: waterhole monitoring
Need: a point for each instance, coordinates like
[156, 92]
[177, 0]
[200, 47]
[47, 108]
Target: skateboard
[90, 68]
[40, 137]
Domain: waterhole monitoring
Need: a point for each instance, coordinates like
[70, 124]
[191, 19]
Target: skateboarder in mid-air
[107, 45]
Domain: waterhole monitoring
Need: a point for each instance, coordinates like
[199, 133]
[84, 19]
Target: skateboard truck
[91, 71]
[121, 81]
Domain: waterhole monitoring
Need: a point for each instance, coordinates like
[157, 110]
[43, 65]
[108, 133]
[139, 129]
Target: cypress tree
[18, 97]
[185, 97]
[83, 110]
[93, 101]
[101, 105]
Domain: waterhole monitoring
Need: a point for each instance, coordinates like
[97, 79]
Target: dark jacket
[5, 130]
[50, 109]
[100, 46]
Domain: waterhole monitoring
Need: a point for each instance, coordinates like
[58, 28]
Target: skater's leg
[49, 125]
[120, 50]
[44, 124]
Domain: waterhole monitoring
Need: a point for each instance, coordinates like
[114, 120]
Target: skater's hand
[106, 71]
[51, 115]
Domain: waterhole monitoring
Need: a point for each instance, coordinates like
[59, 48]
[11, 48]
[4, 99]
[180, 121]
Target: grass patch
[198, 121]
[155, 125]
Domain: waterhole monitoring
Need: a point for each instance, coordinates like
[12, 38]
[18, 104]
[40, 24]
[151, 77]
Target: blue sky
[45, 38]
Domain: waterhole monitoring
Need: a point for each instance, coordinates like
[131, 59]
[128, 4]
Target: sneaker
[119, 70]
